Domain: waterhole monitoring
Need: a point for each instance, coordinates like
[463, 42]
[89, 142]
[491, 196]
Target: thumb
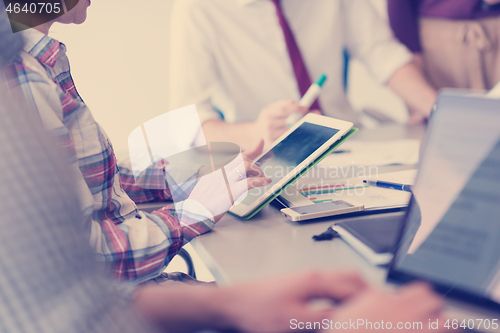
[256, 151]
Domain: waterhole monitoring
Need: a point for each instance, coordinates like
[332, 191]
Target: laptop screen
[451, 235]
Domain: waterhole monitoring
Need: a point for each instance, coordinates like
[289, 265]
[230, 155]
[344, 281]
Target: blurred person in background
[456, 43]
[246, 63]
[138, 245]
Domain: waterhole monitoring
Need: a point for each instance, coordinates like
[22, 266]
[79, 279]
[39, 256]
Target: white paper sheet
[353, 189]
[495, 92]
[376, 153]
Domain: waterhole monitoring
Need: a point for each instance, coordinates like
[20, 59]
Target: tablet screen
[288, 154]
[452, 231]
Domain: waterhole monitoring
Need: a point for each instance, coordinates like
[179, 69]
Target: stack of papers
[340, 175]
[353, 190]
[375, 153]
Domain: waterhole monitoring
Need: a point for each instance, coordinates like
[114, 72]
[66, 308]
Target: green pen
[308, 99]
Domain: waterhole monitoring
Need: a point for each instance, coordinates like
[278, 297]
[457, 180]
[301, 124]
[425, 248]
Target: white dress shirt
[231, 55]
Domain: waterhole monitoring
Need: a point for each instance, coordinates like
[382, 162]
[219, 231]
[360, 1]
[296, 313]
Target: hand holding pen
[308, 99]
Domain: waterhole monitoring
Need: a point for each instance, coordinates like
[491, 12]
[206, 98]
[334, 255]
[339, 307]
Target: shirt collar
[44, 48]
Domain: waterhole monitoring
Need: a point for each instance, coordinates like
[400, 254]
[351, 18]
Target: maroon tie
[299, 67]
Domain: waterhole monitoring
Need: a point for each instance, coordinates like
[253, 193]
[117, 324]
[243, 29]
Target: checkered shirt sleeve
[137, 245]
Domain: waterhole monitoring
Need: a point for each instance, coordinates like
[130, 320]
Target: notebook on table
[372, 237]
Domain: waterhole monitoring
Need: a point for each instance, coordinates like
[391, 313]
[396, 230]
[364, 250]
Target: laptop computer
[450, 236]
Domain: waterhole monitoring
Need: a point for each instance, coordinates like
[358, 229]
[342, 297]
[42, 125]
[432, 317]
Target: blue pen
[389, 185]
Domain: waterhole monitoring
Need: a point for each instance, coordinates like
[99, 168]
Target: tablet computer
[291, 155]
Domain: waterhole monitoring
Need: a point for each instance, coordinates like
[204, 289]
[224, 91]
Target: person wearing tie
[246, 63]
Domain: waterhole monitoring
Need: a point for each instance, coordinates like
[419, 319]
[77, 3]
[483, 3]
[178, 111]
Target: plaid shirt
[48, 281]
[138, 245]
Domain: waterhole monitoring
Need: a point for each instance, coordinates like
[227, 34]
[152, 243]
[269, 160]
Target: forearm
[244, 135]
[185, 308]
[159, 181]
[410, 84]
[191, 217]
[150, 186]
[138, 248]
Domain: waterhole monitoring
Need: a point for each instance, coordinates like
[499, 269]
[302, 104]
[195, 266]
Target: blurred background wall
[119, 60]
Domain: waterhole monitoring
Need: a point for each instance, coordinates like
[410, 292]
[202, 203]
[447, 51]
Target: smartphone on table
[324, 209]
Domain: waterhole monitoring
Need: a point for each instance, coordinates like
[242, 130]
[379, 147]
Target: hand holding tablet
[291, 155]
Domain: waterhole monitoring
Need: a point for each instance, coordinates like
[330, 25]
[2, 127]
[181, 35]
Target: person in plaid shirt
[136, 244]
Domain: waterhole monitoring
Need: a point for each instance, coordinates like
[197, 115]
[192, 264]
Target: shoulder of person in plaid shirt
[137, 244]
